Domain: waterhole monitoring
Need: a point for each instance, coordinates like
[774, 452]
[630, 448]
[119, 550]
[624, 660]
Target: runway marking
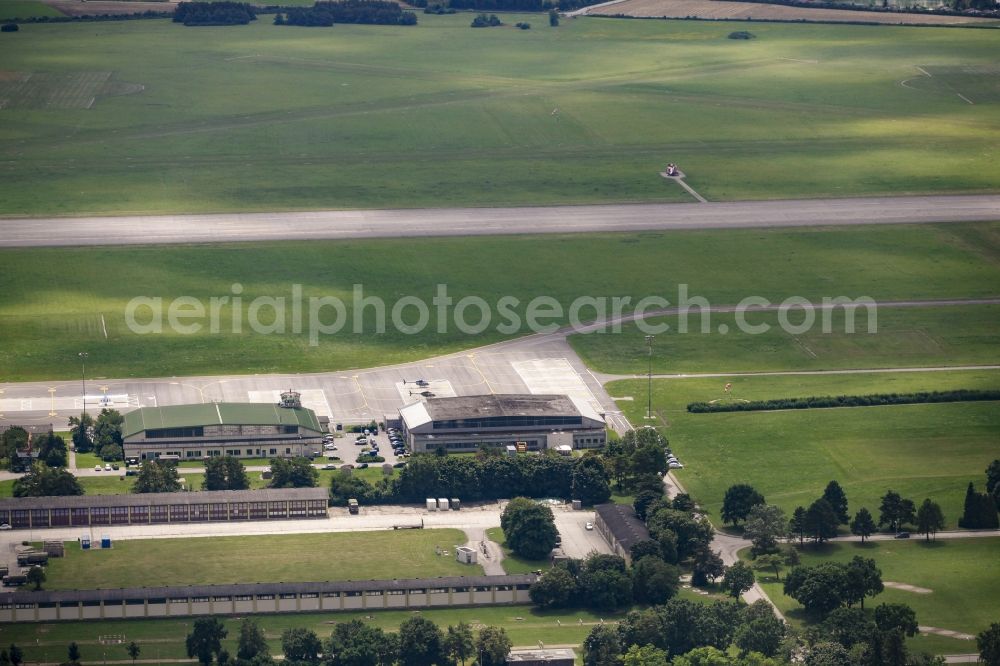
[555, 376]
[964, 97]
[472, 359]
[923, 71]
[104, 327]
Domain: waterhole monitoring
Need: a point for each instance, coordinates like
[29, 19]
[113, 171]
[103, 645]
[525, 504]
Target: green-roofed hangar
[243, 430]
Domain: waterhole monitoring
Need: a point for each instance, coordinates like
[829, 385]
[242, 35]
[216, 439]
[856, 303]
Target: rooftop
[159, 499]
[625, 526]
[217, 413]
[548, 654]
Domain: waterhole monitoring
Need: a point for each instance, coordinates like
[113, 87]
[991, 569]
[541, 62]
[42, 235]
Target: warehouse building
[249, 598]
[242, 430]
[620, 527]
[150, 508]
[525, 422]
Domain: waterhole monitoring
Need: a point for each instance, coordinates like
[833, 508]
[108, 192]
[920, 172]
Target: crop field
[262, 558]
[960, 581]
[919, 451]
[54, 300]
[902, 337]
[11, 9]
[263, 117]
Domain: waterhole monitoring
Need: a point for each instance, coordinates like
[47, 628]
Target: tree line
[223, 12]
[512, 5]
[872, 400]
[368, 12]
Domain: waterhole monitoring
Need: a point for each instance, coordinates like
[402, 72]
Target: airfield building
[525, 422]
[242, 430]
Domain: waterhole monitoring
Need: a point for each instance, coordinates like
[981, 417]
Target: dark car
[400, 464]
[903, 535]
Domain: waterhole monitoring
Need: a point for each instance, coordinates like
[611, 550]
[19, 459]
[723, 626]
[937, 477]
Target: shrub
[9, 27]
[742, 34]
[875, 399]
[524, 26]
[484, 21]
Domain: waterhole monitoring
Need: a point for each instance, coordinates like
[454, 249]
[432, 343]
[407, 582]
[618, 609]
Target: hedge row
[916, 9]
[875, 399]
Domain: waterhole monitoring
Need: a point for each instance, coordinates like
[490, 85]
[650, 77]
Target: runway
[428, 222]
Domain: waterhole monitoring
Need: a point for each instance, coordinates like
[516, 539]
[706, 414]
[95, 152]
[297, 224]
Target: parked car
[329, 467]
[400, 464]
[107, 467]
[114, 466]
[590, 526]
[675, 465]
[5, 526]
[97, 468]
[363, 466]
[903, 535]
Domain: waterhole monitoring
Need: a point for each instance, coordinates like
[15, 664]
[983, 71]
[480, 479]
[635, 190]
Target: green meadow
[919, 451]
[19, 9]
[56, 301]
[152, 117]
[960, 579]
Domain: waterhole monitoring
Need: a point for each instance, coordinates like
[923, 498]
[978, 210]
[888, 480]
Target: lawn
[263, 558]
[22, 9]
[964, 576]
[150, 116]
[917, 450]
[514, 564]
[45, 318]
[903, 337]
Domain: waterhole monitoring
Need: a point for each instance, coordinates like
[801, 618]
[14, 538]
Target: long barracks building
[499, 420]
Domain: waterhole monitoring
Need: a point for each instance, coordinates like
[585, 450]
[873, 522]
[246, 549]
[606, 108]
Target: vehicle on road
[903, 535]
[6, 526]
[329, 467]
[589, 526]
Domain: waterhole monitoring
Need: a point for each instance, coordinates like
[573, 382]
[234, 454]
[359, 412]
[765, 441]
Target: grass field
[964, 576]
[46, 317]
[262, 558]
[21, 9]
[442, 115]
[917, 450]
[904, 337]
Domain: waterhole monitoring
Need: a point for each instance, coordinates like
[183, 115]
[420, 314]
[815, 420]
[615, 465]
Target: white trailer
[432, 504]
[443, 503]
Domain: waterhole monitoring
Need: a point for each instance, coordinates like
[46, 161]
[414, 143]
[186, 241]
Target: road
[349, 224]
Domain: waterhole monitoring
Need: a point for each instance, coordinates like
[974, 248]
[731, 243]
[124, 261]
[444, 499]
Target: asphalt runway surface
[427, 222]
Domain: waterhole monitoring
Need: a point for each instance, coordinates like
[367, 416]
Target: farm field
[46, 313]
[151, 117]
[963, 576]
[919, 451]
[11, 9]
[902, 337]
[260, 558]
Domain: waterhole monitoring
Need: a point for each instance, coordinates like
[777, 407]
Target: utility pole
[83, 375]
[649, 378]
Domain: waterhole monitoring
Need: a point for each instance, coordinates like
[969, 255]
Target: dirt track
[722, 9]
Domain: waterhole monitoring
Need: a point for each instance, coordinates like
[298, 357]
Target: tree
[301, 646]
[459, 643]
[896, 617]
[530, 529]
[847, 626]
[647, 548]
[821, 521]
[133, 651]
[12, 440]
[355, 643]
[737, 579]
[654, 581]
[864, 579]
[601, 647]
[692, 534]
[590, 481]
[205, 640]
[770, 562]
[554, 22]
[762, 634]
[51, 449]
[988, 642]
[647, 655]
[827, 654]
[43, 481]
[73, 653]
[980, 510]
[108, 440]
[929, 519]
[643, 500]
[993, 480]
[863, 524]
[81, 428]
[557, 588]
[225, 473]
[251, 641]
[493, 645]
[895, 511]
[819, 589]
[765, 524]
[16, 655]
[420, 642]
[837, 498]
[157, 477]
[707, 565]
[738, 501]
[604, 583]
[797, 524]
[704, 656]
[36, 576]
[293, 473]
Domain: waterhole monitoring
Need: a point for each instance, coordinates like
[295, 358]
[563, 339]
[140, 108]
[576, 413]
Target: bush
[484, 21]
[875, 399]
[438, 9]
[9, 27]
[742, 34]
[524, 26]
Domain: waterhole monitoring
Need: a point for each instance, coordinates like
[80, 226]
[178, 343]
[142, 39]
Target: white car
[107, 467]
[590, 526]
[97, 468]
[675, 465]
[5, 526]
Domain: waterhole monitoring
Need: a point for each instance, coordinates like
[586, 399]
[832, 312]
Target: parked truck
[352, 506]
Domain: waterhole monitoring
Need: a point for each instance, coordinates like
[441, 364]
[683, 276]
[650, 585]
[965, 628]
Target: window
[438, 590]
[288, 451]
[273, 452]
[23, 606]
[288, 595]
[396, 592]
[244, 597]
[249, 452]
[309, 595]
[199, 600]
[222, 599]
[373, 593]
[265, 597]
[352, 594]
[135, 602]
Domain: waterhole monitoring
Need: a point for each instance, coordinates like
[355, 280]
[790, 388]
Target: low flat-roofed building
[468, 423]
[620, 527]
[151, 508]
[542, 657]
[242, 430]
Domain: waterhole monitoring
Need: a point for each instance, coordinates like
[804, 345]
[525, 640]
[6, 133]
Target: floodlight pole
[83, 376]
[649, 378]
